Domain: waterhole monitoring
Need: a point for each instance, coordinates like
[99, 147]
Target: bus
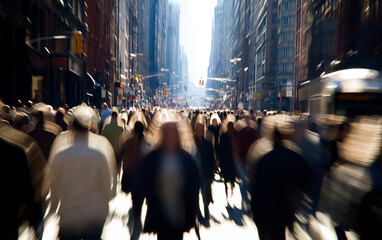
[349, 92]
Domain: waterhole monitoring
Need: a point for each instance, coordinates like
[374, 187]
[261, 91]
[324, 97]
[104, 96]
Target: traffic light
[78, 46]
[121, 85]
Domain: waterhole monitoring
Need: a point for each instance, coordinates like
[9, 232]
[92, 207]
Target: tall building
[100, 48]
[333, 35]
[265, 89]
[183, 74]
[127, 50]
[143, 43]
[229, 57]
[173, 49]
[215, 63]
[285, 53]
[36, 64]
[157, 45]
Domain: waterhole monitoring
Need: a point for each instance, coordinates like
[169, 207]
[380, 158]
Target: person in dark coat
[226, 158]
[207, 163]
[24, 182]
[171, 188]
[43, 137]
[59, 119]
[280, 180]
[215, 130]
[131, 159]
[17, 192]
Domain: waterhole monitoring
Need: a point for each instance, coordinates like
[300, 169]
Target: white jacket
[83, 172]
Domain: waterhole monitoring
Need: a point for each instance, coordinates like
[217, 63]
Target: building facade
[333, 35]
[285, 53]
[37, 58]
[173, 50]
[265, 89]
[100, 48]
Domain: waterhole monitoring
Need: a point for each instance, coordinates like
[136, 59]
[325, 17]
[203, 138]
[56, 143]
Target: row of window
[286, 21]
[282, 68]
[286, 37]
[287, 5]
[285, 68]
[285, 52]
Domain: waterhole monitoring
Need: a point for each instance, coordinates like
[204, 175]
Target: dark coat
[206, 158]
[17, 188]
[43, 138]
[226, 158]
[155, 217]
[281, 178]
[215, 131]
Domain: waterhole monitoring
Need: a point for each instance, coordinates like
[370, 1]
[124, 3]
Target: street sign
[289, 88]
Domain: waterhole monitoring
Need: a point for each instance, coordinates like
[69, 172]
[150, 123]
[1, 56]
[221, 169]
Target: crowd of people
[294, 171]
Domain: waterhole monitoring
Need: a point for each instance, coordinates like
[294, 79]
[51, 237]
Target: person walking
[83, 178]
[170, 187]
[280, 180]
[113, 133]
[206, 162]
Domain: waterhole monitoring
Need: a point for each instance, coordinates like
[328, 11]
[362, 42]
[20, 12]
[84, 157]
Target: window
[273, 34]
[285, 6]
[274, 18]
[273, 51]
[275, 3]
[285, 52]
[285, 21]
[286, 68]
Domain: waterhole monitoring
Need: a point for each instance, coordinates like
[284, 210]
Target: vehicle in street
[348, 92]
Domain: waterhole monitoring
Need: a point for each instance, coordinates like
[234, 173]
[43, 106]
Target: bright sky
[195, 34]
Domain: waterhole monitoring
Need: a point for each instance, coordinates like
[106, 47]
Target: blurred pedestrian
[24, 181]
[59, 119]
[280, 180]
[215, 130]
[132, 159]
[169, 184]
[105, 113]
[113, 133]
[43, 137]
[21, 122]
[206, 162]
[84, 178]
[226, 155]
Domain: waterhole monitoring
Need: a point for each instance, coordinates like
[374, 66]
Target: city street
[225, 223]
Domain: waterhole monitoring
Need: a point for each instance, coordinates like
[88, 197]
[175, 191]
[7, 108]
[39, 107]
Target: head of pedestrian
[80, 118]
[170, 138]
[104, 106]
[114, 113]
[230, 128]
[39, 115]
[139, 128]
[214, 122]
[21, 122]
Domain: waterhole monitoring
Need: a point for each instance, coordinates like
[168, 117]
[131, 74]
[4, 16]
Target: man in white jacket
[83, 172]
